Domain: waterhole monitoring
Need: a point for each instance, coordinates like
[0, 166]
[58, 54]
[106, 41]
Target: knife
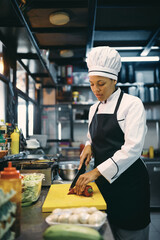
[81, 171]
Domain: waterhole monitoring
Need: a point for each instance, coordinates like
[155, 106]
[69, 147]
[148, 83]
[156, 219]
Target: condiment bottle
[10, 178]
[151, 152]
[15, 142]
[2, 140]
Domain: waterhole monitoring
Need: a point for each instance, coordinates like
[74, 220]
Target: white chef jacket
[132, 120]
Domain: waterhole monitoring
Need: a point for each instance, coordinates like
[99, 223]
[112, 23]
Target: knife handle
[83, 168]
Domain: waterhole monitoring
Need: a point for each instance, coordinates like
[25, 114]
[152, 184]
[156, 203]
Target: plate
[96, 226]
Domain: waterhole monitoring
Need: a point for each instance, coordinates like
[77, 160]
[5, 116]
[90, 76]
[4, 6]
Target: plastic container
[10, 179]
[15, 142]
[31, 187]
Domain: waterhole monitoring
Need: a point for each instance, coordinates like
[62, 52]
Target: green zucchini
[71, 232]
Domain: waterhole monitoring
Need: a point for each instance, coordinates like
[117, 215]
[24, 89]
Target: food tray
[97, 226]
[88, 217]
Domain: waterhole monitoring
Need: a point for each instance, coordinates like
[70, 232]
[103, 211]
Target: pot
[67, 171]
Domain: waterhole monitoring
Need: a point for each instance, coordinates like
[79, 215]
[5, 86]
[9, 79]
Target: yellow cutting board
[58, 197]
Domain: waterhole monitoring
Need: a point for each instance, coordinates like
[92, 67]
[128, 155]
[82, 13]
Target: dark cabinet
[153, 168]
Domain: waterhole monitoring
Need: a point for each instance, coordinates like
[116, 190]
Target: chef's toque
[104, 61]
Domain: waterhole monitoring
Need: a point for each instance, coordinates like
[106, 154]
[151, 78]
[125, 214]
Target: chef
[116, 133]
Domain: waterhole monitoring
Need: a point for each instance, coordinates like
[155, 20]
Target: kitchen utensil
[81, 171]
[67, 171]
[58, 197]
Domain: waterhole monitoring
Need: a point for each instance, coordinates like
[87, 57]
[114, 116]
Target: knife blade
[81, 171]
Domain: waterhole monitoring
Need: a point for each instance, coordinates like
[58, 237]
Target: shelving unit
[80, 120]
[146, 87]
[7, 211]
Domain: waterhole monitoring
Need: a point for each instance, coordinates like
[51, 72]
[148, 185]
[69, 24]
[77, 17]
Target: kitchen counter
[33, 221]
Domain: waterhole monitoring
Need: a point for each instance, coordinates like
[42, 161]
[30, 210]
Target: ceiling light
[140, 59]
[59, 18]
[135, 48]
[1, 65]
[66, 53]
[128, 48]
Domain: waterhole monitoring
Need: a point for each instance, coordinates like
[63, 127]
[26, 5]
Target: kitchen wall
[3, 100]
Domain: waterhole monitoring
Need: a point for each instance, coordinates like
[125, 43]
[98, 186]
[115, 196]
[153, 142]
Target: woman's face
[102, 87]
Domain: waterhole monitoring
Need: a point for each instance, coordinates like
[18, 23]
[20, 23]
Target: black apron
[127, 198]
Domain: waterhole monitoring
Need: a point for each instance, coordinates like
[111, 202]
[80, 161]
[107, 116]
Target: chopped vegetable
[88, 191]
[31, 187]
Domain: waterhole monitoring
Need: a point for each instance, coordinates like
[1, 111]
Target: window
[31, 90]
[22, 107]
[3, 100]
[30, 118]
[21, 78]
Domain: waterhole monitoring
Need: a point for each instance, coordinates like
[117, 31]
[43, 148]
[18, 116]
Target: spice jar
[10, 179]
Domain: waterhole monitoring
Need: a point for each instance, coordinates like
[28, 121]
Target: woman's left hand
[84, 179]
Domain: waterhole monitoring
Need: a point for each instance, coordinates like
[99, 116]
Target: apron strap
[97, 108]
[118, 102]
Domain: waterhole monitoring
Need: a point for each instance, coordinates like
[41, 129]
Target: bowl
[3, 153]
[67, 171]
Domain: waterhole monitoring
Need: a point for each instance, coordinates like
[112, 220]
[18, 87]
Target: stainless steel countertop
[33, 221]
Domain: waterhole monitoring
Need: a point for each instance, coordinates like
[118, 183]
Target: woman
[117, 129]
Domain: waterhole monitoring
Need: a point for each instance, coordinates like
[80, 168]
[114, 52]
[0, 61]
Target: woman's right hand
[86, 153]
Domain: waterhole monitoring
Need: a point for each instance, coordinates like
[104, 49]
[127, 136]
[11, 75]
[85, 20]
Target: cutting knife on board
[81, 171]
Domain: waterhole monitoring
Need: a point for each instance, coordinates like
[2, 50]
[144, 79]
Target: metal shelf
[80, 121]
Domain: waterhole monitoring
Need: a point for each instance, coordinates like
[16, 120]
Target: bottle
[2, 125]
[10, 179]
[151, 152]
[2, 140]
[75, 96]
[15, 142]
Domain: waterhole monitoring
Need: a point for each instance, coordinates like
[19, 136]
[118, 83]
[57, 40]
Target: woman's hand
[86, 153]
[84, 179]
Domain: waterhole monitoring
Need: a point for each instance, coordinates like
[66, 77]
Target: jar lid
[10, 172]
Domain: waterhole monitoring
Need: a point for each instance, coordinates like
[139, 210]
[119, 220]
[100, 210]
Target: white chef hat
[104, 61]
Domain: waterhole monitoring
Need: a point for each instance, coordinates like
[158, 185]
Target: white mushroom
[57, 211]
[95, 219]
[83, 217]
[102, 214]
[79, 210]
[92, 210]
[67, 210]
[64, 218]
[74, 218]
[54, 217]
